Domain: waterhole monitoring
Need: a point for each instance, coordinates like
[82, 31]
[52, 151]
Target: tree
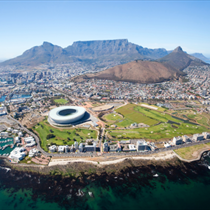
[50, 136]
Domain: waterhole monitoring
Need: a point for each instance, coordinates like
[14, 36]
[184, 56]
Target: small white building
[9, 129]
[29, 139]
[132, 147]
[4, 134]
[206, 135]
[15, 131]
[61, 148]
[177, 140]
[186, 139]
[198, 137]
[33, 152]
[31, 144]
[17, 139]
[20, 134]
[17, 154]
[142, 146]
[76, 145]
[167, 145]
[53, 148]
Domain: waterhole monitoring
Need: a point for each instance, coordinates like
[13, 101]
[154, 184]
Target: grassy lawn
[112, 118]
[167, 128]
[132, 114]
[191, 152]
[61, 101]
[203, 119]
[62, 136]
[158, 132]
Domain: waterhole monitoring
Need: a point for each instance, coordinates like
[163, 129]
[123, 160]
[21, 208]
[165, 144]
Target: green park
[57, 136]
[61, 101]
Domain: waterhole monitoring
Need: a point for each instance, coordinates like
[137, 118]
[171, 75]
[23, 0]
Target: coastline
[101, 164]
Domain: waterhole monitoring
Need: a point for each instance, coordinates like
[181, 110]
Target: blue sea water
[2, 99]
[140, 192]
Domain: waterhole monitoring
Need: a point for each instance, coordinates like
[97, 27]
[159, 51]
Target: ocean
[176, 188]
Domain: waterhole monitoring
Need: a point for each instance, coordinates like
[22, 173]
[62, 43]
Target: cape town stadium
[65, 115]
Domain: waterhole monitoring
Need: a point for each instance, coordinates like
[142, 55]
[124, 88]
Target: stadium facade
[65, 115]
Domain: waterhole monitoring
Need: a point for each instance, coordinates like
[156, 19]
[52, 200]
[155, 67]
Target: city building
[177, 140]
[206, 135]
[142, 145]
[17, 154]
[186, 139]
[198, 137]
[53, 148]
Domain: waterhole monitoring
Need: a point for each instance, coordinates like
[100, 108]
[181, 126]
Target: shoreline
[101, 162]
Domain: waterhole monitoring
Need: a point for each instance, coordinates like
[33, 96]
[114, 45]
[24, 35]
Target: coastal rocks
[90, 194]
[68, 191]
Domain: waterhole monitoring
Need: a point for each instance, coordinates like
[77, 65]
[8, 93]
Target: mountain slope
[166, 68]
[180, 60]
[137, 71]
[200, 56]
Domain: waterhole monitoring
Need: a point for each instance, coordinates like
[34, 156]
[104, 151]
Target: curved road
[107, 154]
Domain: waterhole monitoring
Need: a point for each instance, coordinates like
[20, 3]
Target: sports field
[112, 118]
[62, 136]
[61, 101]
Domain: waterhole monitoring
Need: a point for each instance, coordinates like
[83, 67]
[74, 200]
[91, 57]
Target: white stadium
[66, 115]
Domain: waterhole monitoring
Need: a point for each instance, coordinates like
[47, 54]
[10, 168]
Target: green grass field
[158, 132]
[112, 118]
[61, 101]
[187, 152]
[61, 135]
[132, 114]
[167, 128]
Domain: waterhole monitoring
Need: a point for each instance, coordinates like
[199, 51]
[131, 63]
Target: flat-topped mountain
[119, 50]
[166, 68]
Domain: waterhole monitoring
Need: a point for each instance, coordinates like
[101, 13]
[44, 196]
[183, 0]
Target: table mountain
[119, 50]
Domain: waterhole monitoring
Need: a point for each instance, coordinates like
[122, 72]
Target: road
[107, 154]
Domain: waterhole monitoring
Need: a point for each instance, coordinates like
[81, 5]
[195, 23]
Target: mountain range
[163, 69]
[120, 50]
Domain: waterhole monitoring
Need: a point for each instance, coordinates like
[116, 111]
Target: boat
[209, 167]
[156, 175]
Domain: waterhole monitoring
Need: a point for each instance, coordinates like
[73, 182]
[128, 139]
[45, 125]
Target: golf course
[161, 125]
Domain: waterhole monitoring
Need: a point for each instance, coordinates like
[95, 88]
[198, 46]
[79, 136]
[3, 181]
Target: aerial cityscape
[102, 122]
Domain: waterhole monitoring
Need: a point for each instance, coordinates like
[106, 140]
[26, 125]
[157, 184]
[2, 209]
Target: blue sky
[152, 24]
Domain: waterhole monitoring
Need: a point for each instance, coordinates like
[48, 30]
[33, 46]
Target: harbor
[6, 146]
